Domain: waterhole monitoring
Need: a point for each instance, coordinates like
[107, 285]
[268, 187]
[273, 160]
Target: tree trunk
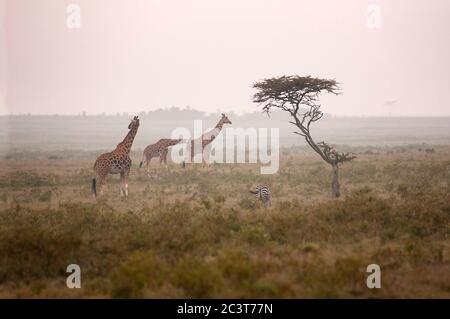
[335, 188]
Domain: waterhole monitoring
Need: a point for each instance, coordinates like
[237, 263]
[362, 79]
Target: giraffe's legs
[122, 184]
[126, 182]
[203, 158]
[100, 181]
[163, 157]
[148, 168]
[192, 153]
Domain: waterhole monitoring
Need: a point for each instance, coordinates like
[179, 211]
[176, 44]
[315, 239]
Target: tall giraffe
[209, 136]
[115, 162]
[160, 148]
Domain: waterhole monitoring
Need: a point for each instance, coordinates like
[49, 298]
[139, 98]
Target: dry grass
[196, 232]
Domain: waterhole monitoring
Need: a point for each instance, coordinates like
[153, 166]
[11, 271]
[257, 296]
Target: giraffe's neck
[174, 142]
[125, 145]
[212, 134]
[216, 130]
[219, 125]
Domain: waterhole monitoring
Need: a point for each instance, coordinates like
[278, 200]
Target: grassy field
[197, 232]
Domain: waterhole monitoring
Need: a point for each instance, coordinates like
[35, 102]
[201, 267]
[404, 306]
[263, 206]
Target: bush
[34, 252]
[197, 278]
[141, 272]
[45, 197]
[181, 237]
[16, 180]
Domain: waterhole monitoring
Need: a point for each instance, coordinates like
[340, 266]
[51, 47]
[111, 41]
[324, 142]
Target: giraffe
[160, 148]
[208, 137]
[115, 162]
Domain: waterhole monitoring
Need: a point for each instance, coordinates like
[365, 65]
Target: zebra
[262, 192]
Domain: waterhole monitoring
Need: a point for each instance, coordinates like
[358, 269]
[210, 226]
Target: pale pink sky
[133, 55]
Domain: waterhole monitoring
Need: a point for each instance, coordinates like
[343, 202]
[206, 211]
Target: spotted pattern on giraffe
[208, 137]
[116, 162]
[159, 149]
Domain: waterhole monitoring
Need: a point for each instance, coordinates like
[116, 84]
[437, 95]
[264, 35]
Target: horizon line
[205, 114]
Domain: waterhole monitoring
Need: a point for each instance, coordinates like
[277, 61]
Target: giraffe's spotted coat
[159, 149]
[116, 162]
[209, 137]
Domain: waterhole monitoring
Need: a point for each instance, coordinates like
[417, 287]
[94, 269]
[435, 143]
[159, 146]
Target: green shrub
[20, 179]
[34, 252]
[45, 197]
[197, 278]
[142, 271]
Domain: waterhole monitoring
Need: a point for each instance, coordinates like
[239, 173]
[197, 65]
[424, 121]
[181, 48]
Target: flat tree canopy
[299, 96]
[289, 92]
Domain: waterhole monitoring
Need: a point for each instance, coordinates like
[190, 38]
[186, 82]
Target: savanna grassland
[197, 232]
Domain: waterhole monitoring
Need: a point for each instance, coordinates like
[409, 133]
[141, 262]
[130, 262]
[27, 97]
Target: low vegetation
[196, 232]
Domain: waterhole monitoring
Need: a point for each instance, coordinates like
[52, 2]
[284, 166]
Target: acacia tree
[299, 96]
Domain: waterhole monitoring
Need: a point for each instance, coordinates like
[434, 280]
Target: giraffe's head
[225, 119]
[134, 123]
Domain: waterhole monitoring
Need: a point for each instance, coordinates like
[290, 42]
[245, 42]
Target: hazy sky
[133, 55]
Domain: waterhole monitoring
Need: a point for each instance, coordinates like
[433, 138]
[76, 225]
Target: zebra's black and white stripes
[262, 193]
